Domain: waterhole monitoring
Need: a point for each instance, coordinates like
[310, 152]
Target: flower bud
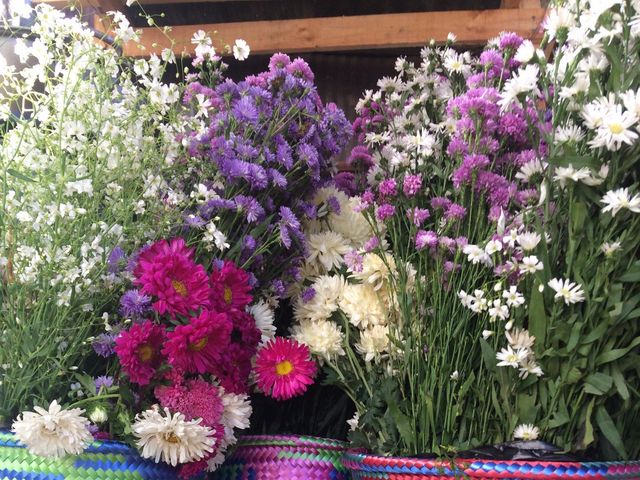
[99, 415]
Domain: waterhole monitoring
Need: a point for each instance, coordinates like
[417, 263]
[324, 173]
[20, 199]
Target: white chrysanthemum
[525, 52]
[241, 50]
[526, 432]
[328, 291]
[616, 129]
[351, 224]
[54, 432]
[528, 240]
[363, 305]
[327, 248]
[324, 338]
[609, 248]
[170, 438]
[558, 19]
[567, 290]
[373, 342]
[375, 271]
[530, 169]
[263, 314]
[236, 414]
[455, 62]
[615, 200]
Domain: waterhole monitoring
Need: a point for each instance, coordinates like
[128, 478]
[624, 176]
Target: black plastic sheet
[525, 450]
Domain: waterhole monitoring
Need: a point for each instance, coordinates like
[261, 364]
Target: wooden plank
[398, 30]
[521, 3]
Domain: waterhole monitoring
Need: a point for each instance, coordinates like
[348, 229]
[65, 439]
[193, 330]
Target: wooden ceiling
[346, 32]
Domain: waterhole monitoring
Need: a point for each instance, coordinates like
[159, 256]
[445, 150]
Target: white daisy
[559, 20]
[54, 432]
[523, 81]
[525, 52]
[476, 254]
[528, 240]
[631, 101]
[171, 438]
[562, 174]
[241, 50]
[530, 367]
[264, 317]
[498, 310]
[568, 133]
[421, 142]
[479, 302]
[511, 358]
[530, 169]
[615, 200]
[493, 246]
[513, 297]
[531, 264]
[616, 129]
[566, 290]
[526, 432]
[455, 63]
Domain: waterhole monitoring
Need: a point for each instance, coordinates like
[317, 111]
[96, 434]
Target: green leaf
[585, 436]
[598, 383]
[537, 318]
[527, 410]
[402, 423]
[596, 333]
[609, 430]
[620, 383]
[617, 353]
[488, 355]
[574, 336]
[21, 176]
[633, 275]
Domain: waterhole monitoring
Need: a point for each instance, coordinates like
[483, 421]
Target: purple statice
[388, 187]
[426, 238]
[117, 260]
[418, 215]
[104, 344]
[385, 211]
[371, 244]
[440, 202]
[276, 178]
[288, 226]
[467, 171]
[194, 221]
[278, 288]
[134, 304]
[455, 212]
[103, 381]
[353, 260]
[411, 184]
[308, 294]
[513, 125]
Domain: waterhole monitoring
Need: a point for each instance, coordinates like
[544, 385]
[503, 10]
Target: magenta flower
[195, 399]
[230, 288]
[138, 350]
[166, 270]
[385, 211]
[387, 188]
[284, 368]
[411, 185]
[426, 239]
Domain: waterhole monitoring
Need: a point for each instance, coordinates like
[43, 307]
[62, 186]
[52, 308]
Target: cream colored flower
[327, 248]
[373, 342]
[526, 432]
[328, 291]
[264, 317]
[324, 338]
[363, 306]
[375, 270]
[171, 438]
[351, 224]
[54, 432]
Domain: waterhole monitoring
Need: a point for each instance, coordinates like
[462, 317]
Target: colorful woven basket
[369, 467]
[101, 461]
[268, 457]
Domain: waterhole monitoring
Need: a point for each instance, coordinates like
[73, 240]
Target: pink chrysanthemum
[230, 288]
[194, 399]
[284, 368]
[197, 346]
[166, 270]
[139, 351]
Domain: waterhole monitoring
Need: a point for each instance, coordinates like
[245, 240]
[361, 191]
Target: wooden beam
[397, 30]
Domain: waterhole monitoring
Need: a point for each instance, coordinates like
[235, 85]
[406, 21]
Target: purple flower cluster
[267, 146]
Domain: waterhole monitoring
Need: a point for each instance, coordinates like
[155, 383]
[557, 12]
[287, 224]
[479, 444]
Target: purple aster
[360, 156]
[440, 202]
[277, 178]
[385, 211]
[245, 111]
[411, 185]
[134, 305]
[103, 381]
[418, 215]
[455, 212]
[279, 61]
[250, 207]
[426, 239]
[307, 295]
[388, 187]
[346, 182]
[103, 344]
[299, 68]
[117, 260]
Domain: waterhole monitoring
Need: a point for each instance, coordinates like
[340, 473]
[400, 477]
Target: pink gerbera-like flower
[166, 270]
[230, 287]
[138, 350]
[197, 346]
[284, 368]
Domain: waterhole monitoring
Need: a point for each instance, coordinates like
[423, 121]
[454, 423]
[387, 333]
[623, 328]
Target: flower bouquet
[496, 297]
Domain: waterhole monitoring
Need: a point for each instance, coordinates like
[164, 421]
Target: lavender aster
[134, 304]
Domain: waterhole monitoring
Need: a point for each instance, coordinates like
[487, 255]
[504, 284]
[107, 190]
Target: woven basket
[369, 467]
[268, 457]
[102, 460]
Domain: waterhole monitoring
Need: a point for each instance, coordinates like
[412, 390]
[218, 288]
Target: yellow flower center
[284, 368]
[179, 287]
[171, 437]
[199, 345]
[145, 352]
[616, 128]
[228, 295]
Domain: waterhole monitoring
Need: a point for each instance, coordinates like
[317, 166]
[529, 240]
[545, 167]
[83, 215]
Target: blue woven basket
[106, 460]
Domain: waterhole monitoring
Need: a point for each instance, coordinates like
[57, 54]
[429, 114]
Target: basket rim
[362, 458]
[279, 440]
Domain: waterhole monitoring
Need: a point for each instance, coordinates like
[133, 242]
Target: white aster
[558, 20]
[616, 200]
[530, 367]
[511, 358]
[616, 129]
[525, 80]
[567, 290]
[568, 133]
[563, 174]
[530, 169]
[513, 297]
[526, 432]
[476, 255]
[236, 414]
[54, 432]
[324, 338]
[263, 314]
[170, 438]
[528, 240]
[498, 311]
[525, 52]
[493, 246]
[241, 50]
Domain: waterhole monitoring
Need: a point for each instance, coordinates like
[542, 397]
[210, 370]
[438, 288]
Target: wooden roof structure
[298, 26]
